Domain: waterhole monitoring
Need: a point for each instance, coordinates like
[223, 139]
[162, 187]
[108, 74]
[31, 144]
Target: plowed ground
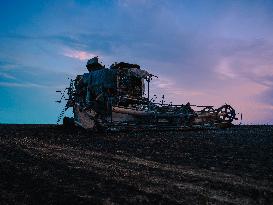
[47, 164]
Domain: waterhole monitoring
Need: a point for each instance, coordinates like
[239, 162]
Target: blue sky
[205, 52]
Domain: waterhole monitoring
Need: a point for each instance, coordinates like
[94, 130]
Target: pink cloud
[77, 54]
[224, 70]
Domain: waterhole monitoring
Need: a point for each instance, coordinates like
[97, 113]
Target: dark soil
[47, 164]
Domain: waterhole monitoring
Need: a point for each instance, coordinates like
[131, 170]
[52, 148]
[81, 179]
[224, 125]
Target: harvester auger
[114, 99]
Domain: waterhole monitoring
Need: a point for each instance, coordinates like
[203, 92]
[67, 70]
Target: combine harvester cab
[113, 99]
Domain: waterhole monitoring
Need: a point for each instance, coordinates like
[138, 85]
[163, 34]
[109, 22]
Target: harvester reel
[226, 113]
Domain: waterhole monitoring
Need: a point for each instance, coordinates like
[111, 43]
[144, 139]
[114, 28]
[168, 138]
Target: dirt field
[46, 164]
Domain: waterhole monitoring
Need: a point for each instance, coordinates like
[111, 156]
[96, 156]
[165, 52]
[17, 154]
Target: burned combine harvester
[113, 99]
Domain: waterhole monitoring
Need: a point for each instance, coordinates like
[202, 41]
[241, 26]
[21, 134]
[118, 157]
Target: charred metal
[114, 99]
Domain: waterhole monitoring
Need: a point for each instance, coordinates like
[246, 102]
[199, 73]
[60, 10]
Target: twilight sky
[205, 52]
